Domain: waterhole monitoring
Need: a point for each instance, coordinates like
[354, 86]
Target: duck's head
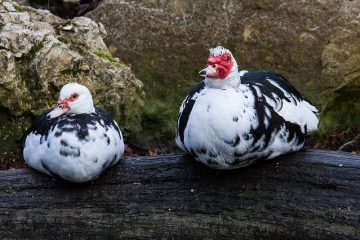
[221, 70]
[74, 98]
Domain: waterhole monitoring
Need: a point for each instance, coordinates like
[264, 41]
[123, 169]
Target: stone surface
[38, 55]
[313, 43]
[63, 8]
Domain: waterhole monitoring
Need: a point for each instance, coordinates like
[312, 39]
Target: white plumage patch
[219, 50]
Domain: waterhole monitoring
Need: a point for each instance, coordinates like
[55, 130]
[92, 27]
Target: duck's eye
[214, 66]
[228, 59]
[74, 96]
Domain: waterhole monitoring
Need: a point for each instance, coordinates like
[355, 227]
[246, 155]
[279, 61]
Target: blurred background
[313, 43]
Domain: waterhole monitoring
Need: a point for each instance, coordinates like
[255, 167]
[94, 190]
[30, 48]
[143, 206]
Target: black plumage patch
[58, 134]
[233, 142]
[277, 122]
[246, 137]
[80, 124]
[261, 79]
[42, 139]
[212, 153]
[114, 159]
[235, 162]
[275, 125]
[246, 162]
[188, 105]
[237, 141]
[63, 143]
[70, 151]
[212, 162]
[105, 165]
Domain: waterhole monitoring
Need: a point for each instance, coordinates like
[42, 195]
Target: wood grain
[311, 194]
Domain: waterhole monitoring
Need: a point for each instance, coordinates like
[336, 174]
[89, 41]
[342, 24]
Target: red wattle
[223, 65]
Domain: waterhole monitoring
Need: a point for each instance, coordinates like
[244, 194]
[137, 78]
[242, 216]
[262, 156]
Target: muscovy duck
[233, 118]
[73, 141]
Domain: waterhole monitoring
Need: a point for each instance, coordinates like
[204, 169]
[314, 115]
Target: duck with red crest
[233, 118]
[73, 141]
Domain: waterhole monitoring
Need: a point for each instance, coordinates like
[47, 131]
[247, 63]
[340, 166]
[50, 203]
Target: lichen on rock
[40, 52]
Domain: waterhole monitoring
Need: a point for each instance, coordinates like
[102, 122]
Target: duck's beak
[62, 107]
[209, 72]
[203, 72]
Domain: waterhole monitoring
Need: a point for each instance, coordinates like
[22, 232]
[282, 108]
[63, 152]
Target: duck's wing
[41, 125]
[184, 113]
[108, 120]
[112, 129]
[283, 97]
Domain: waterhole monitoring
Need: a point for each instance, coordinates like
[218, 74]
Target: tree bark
[311, 194]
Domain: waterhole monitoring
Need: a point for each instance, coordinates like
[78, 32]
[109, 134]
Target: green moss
[106, 56]
[35, 49]
[11, 131]
[166, 83]
[343, 111]
[20, 8]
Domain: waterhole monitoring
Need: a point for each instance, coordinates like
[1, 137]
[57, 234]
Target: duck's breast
[220, 119]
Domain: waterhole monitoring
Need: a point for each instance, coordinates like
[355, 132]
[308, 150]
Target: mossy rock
[39, 53]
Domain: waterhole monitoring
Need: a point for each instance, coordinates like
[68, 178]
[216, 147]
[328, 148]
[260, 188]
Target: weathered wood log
[307, 195]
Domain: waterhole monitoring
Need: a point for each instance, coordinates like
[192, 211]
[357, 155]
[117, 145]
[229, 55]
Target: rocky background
[314, 43]
[39, 53]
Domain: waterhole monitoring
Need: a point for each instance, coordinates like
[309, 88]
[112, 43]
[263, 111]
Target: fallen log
[307, 195]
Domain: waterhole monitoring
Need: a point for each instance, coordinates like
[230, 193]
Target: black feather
[188, 105]
[68, 122]
[260, 79]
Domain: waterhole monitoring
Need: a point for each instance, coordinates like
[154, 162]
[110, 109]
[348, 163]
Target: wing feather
[283, 97]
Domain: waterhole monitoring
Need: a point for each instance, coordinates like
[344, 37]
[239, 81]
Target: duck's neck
[83, 109]
[231, 81]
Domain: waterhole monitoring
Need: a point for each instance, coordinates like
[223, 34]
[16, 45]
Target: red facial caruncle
[65, 101]
[222, 64]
